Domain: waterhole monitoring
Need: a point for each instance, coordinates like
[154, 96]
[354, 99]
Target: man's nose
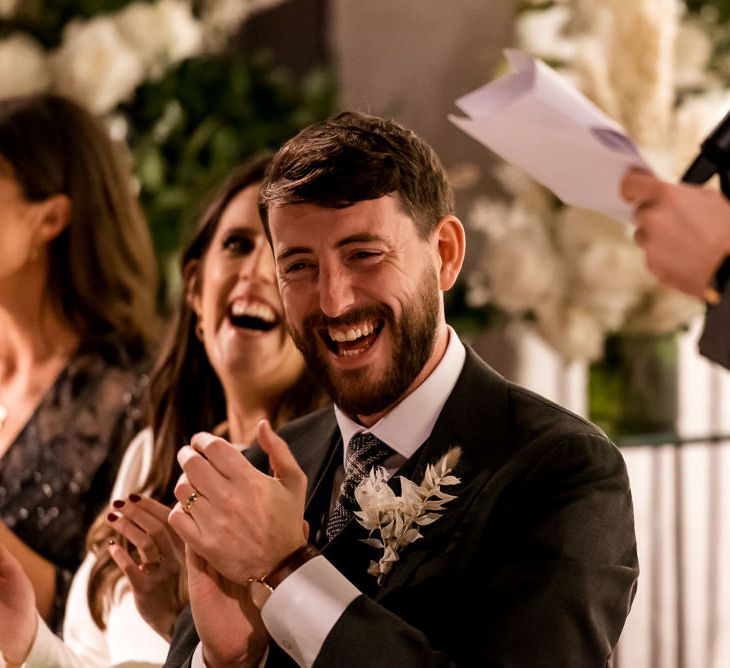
[336, 295]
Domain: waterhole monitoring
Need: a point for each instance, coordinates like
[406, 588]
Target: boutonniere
[395, 521]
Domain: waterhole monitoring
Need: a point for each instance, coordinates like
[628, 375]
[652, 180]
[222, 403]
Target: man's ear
[54, 214]
[191, 283]
[450, 243]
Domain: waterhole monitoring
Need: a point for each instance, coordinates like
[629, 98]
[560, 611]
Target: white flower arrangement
[103, 59]
[398, 519]
[577, 275]
[24, 67]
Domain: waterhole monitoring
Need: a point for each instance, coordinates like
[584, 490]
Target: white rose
[692, 52]
[613, 266]
[522, 270]
[488, 217]
[8, 8]
[24, 67]
[577, 229]
[478, 292]
[95, 65]
[610, 279]
[574, 332]
[118, 127]
[530, 193]
[183, 32]
[176, 35]
[139, 24]
[608, 275]
[496, 218]
[542, 32]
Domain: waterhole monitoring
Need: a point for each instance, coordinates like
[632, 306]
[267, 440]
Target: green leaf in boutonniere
[394, 521]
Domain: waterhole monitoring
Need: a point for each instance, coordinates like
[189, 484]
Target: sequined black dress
[59, 471]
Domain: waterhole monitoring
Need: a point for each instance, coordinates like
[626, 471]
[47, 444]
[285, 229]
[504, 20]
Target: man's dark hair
[353, 157]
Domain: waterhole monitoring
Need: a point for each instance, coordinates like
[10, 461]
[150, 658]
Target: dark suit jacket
[714, 343]
[533, 564]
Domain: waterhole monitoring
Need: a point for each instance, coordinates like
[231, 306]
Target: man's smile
[352, 340]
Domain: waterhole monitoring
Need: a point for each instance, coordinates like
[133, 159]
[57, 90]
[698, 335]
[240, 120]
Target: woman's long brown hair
[102, 273]
[186, 396]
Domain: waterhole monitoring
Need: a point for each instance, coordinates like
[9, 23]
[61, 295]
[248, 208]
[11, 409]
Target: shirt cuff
[198, 661]
[302, 610]
[49, 650]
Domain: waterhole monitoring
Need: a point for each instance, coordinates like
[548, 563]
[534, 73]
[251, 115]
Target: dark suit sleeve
[184, 641]
[541, 571]
[714, 343]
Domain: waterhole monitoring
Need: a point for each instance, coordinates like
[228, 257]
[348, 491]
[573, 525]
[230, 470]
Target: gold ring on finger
[190, 501]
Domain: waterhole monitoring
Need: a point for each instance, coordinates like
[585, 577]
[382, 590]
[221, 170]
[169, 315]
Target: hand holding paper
[535, 119]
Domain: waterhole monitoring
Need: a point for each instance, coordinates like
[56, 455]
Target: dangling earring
[199, 327]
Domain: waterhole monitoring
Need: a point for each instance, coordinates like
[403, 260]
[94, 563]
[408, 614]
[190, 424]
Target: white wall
[410, 59]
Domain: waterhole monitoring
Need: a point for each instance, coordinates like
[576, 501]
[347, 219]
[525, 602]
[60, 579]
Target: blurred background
[554, 297]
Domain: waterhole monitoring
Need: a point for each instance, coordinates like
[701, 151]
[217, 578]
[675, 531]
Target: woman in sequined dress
[76, 306]
[226, 363]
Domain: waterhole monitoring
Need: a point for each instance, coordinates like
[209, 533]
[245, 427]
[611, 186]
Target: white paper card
[535, 119]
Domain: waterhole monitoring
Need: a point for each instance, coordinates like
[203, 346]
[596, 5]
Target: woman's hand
[18, 615]
[155, 575]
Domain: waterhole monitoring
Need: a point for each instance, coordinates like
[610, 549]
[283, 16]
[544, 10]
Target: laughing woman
[227, 363]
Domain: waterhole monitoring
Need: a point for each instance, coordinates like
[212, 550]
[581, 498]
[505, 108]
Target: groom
[533, 560]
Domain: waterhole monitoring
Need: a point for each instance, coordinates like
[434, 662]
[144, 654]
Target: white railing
[681, 497]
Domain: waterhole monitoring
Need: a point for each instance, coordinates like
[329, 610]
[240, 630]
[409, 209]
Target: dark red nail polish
[118, 503]
[134, 498]
[111, 517]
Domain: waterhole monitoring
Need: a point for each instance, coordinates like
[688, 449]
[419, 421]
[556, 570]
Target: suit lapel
[314, 448]
[474, 418]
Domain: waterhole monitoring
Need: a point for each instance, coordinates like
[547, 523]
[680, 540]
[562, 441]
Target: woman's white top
[127, 642]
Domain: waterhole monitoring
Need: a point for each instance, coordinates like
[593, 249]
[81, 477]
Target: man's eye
[364, 255]
[296, 267]
[238, 243]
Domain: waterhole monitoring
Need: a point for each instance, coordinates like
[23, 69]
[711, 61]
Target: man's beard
[413, 338]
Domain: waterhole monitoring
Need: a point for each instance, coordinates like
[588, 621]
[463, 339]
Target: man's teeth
[352, 334]
[256, 310]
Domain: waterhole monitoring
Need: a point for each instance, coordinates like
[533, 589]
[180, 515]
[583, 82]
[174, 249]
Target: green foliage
[189, 129]
[633, 389]
[467, 319]
[45, 20]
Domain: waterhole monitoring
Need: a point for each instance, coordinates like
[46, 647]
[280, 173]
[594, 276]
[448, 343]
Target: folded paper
[535, 119]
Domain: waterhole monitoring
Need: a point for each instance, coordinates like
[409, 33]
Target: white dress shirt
[304, 608]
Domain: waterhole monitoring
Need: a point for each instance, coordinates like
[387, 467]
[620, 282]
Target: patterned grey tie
[363, 453]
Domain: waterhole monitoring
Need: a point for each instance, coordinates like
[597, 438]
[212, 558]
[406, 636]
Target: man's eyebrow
[296, 250]
[363, 237]
[358, 239]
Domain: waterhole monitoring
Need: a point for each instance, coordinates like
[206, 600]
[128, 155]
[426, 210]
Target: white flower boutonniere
[398, 519]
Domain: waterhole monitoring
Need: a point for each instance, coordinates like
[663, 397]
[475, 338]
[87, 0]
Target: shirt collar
[409, 423]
